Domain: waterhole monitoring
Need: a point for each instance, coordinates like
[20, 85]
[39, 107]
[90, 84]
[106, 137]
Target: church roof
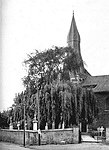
[73, 32]
[99, 83]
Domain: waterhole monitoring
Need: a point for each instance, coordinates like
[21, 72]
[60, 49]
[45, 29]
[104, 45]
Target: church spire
[73, 12]
[73, 38]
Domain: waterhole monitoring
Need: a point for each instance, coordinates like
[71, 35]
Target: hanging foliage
[50, 93]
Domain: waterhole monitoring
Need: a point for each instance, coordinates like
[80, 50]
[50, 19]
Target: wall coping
[49, 130]
[14, 130]
[54, 130]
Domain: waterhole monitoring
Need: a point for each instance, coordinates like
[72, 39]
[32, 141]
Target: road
[82, 146]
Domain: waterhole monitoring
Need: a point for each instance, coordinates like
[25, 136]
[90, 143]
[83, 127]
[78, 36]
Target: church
[99, 84]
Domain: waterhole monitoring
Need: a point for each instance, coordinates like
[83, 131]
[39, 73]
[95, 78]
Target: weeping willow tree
[49, 89]
[68, 104]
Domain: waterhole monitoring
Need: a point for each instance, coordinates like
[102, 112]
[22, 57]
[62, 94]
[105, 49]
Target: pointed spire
[73, 40]
[73, 35]
[73, 12]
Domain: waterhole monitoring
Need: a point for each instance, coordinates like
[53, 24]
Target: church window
[107, 104]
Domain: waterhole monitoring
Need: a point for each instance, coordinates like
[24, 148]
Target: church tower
[73, 40]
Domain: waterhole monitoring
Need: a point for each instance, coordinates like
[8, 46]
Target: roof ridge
[100, 76]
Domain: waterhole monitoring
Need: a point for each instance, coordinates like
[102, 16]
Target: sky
[27, 25]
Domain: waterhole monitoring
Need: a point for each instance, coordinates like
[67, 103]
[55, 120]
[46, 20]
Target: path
[82, 146]
[88, 138]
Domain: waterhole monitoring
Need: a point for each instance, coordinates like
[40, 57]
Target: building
[99, 84]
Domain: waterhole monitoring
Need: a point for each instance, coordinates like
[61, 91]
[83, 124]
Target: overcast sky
[40, 24]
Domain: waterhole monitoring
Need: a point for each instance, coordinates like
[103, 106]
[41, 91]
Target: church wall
[103, 114]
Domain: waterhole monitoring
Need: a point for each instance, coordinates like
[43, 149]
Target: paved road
[10, 146]
[83, 146]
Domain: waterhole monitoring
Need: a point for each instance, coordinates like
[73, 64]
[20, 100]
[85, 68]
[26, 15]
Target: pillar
[11, 126]
[76, 134]
[46, 127]
[26, 125]
[63, 125]
[107, 134]
[80, 126]
[87, 128]
[53, 125]
[18, 125]
[35, 125]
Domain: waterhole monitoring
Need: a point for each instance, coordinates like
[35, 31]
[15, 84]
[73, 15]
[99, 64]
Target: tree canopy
[49, 90]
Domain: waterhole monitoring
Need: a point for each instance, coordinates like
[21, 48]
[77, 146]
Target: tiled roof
[99, 83]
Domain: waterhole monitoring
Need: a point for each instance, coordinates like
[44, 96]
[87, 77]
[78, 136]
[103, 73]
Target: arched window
[107, 103]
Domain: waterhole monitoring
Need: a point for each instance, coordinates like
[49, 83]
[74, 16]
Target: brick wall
[54, 136]
[103, 115]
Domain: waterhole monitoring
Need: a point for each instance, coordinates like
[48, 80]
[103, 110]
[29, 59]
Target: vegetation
[49, 92]
[4, 119]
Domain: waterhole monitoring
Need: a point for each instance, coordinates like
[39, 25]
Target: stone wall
[57, 136]
[54, 136]
[17, 136]
[107, 135]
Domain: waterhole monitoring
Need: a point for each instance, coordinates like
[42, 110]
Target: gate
[98, 136]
